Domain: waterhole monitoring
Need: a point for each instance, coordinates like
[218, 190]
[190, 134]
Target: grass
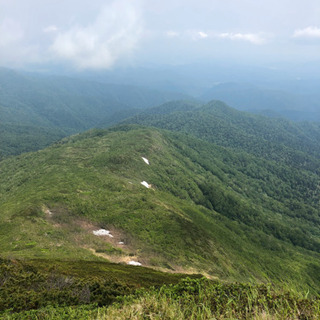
[36, 284]
[193, 299]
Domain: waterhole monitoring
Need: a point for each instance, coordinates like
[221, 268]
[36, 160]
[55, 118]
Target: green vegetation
[40, 283]
[192, 299]
[294, 144]
[203, 299]
[231, 195]
[16, 139]
[204, 211]
[37, 110]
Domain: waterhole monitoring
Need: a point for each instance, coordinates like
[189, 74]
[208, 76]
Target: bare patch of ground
[117, 249]
[114, 258]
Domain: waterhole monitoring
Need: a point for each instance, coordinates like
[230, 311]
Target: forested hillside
[36, 110]
[295, 144]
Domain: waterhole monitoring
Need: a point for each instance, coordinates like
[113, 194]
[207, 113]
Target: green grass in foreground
[36, 284]
[193, 299]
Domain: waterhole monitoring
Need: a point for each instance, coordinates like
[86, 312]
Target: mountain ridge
[240, 130]
[93, 180]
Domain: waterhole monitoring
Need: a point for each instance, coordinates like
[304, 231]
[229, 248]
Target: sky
[103, 34]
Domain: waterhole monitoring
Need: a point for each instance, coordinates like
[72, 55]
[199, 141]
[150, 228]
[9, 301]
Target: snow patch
[134, 263]
[145, 160]
[102, 232]
[47, 211]
[146, 184]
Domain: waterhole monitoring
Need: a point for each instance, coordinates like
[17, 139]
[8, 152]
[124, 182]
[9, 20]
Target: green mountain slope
[60, 106]
[15, 139]
[168, 107]
[207, 209]
[274, 139]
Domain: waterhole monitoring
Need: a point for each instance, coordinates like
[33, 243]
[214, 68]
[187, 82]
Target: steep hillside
[194, 207]
[59, 106]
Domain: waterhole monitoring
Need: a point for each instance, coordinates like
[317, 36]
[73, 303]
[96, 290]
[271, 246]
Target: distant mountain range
[38, 109]
[291, 101]
[284, 90]
[51, 107]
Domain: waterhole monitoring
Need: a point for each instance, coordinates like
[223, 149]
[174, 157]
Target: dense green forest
[275, 139]
[16, 139]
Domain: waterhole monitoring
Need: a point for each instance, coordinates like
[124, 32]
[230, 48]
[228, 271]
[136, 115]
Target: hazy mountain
[292, 100]
[286, 89]
[58, 106]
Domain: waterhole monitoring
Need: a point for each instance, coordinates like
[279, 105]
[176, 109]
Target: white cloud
[195, 35]
[309, 33]
[202, 35]
[50, 29]
[14, 49]
[10, 32]
[172, 34]
[99, 33]
[114, 34]
[249, 37]
[254, 38]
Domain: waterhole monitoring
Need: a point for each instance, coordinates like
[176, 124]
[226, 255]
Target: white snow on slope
[102, 232]
[134, 263]
[146, 184]
[145, 160]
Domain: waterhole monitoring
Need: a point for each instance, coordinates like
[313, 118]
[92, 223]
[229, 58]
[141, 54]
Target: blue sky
[100, 34]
